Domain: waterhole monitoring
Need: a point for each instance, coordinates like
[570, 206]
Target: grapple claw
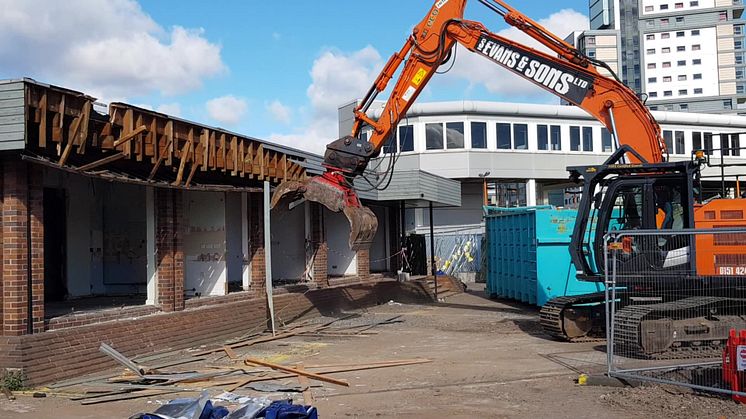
[332, 193]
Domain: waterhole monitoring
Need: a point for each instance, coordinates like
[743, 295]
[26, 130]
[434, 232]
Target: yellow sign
[417, 79]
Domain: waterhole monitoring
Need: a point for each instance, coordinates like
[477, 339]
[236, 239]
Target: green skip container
[528, 259]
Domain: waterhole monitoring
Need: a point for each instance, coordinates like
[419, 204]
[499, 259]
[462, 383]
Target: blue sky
[270, 69]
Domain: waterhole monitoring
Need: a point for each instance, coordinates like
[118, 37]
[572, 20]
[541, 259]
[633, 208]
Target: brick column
[319, 247]
[22, 198]
[256, 241]
[363, 264]
[169, 249]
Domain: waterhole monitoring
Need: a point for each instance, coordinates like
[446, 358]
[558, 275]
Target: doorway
[55, 282]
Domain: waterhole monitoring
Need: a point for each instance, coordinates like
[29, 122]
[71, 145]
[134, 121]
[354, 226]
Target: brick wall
[363, 263]
[22, 200]
[70, 352]
[256, 241]
[320, 249]
[169, 249]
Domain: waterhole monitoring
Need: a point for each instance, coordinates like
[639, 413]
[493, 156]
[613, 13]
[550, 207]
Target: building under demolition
[124, 225]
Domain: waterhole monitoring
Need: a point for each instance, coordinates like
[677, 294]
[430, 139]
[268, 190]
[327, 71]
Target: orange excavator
[628, 179]
[570, 75]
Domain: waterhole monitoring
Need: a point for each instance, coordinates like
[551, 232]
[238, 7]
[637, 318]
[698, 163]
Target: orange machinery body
[721, 254]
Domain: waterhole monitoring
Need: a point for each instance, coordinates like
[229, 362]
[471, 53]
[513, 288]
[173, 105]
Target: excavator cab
[628, 197]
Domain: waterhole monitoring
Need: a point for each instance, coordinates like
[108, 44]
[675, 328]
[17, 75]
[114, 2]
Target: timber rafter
[68, 128]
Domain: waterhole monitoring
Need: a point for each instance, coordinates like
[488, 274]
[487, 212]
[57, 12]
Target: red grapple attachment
[331, 190]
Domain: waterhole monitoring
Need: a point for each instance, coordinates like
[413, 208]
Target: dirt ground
[490, 360]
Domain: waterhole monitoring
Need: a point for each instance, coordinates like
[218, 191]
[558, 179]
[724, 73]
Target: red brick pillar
[256, 242]
[320, 249]
[363, 264]
[22, 201]
[169, 249]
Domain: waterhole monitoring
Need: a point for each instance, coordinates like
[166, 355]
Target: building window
[664, 7]
[684, 107]
[737, 29]
[574, 138]
[696, 47]
[587, 138]
[664, 21]
[738, 45]
[651, 66]
[693, 3]
[722, 16]
[605, 140]
[650, 23]
[740, 89]
[666, 79]
[590, 40]
[667, 93]
[665, 50]
[389, 146]
[682, 77]
[650, 37]
[698, 91]
[679, 19]
[697, 76]
[434, 136]
[668, 138]
[695, 32]
[679, 142]
[503, 136]
[653, 108]
[652, 79]
[680, 34]
[478, 135]
[520, 136]
[708, 143]
[649, 8]
[728, 104]
[696, 141]
[730, 144]
[650, 51]
[653, 94]
[680, 48]
[681, 63]
[542, 137]
[454, 135]
[666, 64]
[683, 92]
[406, 138]
[697, 61]
[678, 5]
[555, 137]
[665, 35]
[739, 58]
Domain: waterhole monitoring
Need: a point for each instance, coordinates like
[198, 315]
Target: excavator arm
[568, 74]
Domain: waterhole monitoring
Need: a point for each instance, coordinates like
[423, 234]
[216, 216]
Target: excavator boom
[568, 74]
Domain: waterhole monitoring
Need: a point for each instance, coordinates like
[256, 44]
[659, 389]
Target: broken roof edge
[310, 161]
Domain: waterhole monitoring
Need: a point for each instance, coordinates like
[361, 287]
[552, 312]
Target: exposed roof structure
[63, 128]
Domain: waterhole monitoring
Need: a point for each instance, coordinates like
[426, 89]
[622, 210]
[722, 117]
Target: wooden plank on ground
[306, 385]
[296, 371]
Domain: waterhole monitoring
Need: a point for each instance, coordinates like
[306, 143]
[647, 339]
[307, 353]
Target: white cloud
[106, 48]
[337, 78]
[279, 112]
[227, 109]
[479, 71]
[173, 109]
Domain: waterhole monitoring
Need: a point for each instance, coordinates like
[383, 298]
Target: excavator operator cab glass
[627, 211]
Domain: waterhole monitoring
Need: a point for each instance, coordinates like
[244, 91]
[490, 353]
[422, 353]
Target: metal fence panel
[672, 299]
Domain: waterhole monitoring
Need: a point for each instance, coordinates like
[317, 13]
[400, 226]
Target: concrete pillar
[23, 202]
[150, 246]
[169, 249]
[531, 192]
[319, 247]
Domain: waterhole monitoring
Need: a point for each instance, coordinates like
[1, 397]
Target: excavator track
[583, 324]
[688, 327]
